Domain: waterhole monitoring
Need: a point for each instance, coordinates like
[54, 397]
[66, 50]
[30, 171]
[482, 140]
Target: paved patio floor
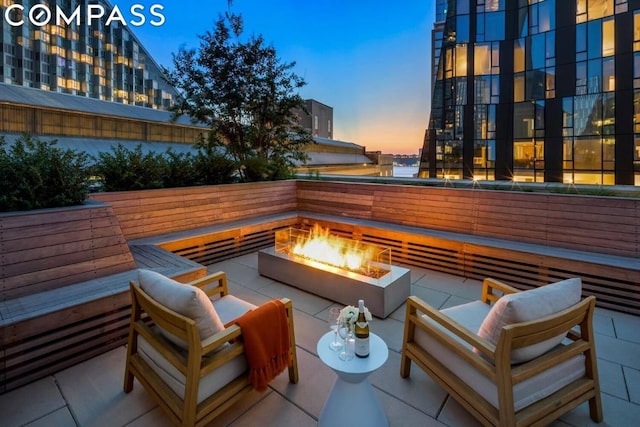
[90, 393]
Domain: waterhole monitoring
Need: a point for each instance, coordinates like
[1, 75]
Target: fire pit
[336, 268]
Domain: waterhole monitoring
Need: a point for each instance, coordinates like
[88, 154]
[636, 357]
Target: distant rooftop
[63, 101]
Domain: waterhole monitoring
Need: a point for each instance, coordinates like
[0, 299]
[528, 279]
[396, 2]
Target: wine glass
[349, 343]
[334, 314]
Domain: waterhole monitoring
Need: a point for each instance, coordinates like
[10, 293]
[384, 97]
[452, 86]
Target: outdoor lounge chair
[194, 370]
[526, 359]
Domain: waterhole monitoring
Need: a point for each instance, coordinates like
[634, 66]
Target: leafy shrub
[213, 167]
[125, 169]
[261, 169]
[36, 174]
[179, 170]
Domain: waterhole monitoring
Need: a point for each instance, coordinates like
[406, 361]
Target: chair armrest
[219, 338]
[415, 305]
[490, 285]
[204, 283]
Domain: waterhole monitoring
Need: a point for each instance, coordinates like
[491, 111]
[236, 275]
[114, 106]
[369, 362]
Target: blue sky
[369, 60]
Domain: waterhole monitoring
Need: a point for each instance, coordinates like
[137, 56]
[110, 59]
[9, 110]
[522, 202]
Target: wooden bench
[522, 238]
[613, 279]
[64, 295]
[64, 275]
[155, 212]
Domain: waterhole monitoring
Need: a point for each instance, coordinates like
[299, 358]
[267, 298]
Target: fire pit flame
[319, 246]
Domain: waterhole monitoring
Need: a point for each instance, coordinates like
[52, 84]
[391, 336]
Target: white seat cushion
[530, 305]
[229, 308]
[189, 301]
[525, 393]
[208, 385]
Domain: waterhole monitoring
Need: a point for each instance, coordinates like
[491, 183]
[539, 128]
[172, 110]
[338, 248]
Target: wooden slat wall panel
[607, 225]
[614, 287]
[43, 250]
[148, 213]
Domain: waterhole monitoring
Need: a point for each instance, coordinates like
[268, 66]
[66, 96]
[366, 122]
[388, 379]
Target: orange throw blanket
[265, 332]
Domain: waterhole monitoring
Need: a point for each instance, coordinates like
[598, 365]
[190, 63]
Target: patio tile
[274, 410]
[618, 351]
[93, 391]
[450, 284]
[417, 391]
[60, 418]
[309, 329]
[617, 412]
[242, 273]
[247, 294]
[400, 414]
[311, 392]
[154, 418]
[302, 300]
[390, 330]
[455, 300]
[603, 323]
[632, 377]
[612, 379]
[435, 298]
[250, 260]
[239, 409]
[30, 402]
[417, 273]
[453, 414]
[627, 327]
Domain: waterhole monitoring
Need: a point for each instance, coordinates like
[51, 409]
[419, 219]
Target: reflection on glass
[461, 60]
[482, 59]
[462, 28]
[608, 37]
[494, 26]
[587, 154]
[518, 55]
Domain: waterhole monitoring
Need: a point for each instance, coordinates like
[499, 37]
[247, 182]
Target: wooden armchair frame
[501, 372]
[193, 366]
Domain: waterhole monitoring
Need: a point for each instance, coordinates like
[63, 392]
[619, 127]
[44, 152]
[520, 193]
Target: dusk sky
[369, 60]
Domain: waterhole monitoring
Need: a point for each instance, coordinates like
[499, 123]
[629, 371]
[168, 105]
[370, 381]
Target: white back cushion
[530, 305]
[187, 300]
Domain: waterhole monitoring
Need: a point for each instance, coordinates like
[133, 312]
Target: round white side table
[352, 400]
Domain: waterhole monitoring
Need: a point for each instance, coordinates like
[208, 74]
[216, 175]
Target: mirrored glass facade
[537, 91]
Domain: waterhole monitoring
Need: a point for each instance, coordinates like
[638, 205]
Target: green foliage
[36, 174]
[125, 169]
[178, 170]
[247, 96]
[212, 166]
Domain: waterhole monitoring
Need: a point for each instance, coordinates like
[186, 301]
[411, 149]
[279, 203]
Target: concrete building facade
[90, 57]
[318, 119]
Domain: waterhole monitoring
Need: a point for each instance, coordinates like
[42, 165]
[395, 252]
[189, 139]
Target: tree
[247, 97]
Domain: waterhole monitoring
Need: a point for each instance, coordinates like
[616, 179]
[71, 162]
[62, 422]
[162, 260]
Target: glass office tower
[537, 91]
[103, 60]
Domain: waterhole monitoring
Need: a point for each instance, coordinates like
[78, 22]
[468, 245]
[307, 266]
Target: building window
[315, 122]
[484, 160]
[636, 111]
[461, 60]
[636, 160]
[588, 10]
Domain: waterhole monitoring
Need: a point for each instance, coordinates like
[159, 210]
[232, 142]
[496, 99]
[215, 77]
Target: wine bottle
[362, 332]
